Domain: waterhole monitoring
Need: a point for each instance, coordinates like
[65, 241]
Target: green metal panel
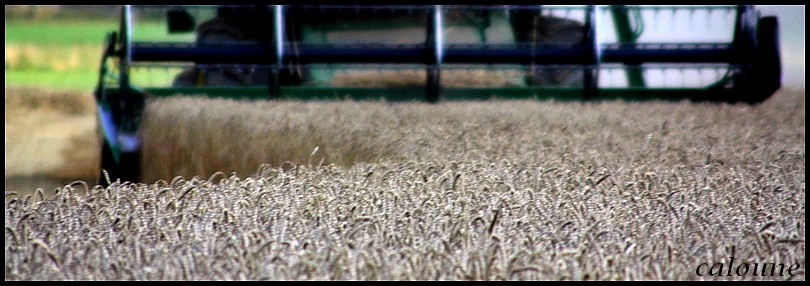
[621, 19]
[317, 36]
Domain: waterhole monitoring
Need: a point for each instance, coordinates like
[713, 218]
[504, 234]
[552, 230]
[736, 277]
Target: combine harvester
[430, 53]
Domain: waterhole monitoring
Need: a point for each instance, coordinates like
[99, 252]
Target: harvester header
[428, 52]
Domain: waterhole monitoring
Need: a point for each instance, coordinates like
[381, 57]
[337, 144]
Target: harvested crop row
[188, 136]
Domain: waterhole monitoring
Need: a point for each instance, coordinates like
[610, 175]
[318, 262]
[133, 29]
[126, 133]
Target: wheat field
[50, 138]
[495, 190]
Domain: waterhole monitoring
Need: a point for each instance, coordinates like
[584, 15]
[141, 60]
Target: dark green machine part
[753, 56]
[119, 109]
[627, 35]
[756, 41]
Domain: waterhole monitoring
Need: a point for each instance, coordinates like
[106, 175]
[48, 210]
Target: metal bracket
[435, 46]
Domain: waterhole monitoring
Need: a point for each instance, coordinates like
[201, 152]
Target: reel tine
[709, 17]
[689, 13]
[671, 21]
[659, 73]
[730, 17]
[536, 42]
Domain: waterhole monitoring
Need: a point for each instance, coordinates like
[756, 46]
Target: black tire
[766, 72]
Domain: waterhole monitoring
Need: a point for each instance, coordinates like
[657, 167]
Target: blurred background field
[52, 61]
[50, 138]
[60, 47]
[51, 67]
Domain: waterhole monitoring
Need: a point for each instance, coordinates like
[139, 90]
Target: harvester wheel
[766, 73]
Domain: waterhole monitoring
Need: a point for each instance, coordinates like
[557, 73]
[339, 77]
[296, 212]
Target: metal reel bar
[432, 53]
[426, 53]
[435, 51]
[753, 57]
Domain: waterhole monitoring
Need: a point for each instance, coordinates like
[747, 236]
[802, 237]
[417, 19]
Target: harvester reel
[234, 26]
[543, 52]
[531, 26]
